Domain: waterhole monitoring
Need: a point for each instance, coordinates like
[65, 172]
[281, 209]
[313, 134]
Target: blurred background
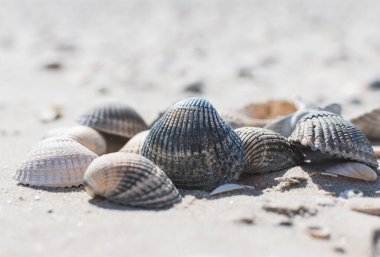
[69, 54]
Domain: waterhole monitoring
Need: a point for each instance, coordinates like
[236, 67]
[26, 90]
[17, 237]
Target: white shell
[353, 170]
[55, 162]
[135, 144]
[228, 188]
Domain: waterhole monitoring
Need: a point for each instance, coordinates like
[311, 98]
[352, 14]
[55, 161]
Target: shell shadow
[336, 185]
[106, 204]
[54, 189]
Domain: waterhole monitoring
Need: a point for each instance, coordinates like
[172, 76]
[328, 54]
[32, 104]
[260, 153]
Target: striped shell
[369, 123]
[136, 143]
[194, 146]
[55, 162]
[258, 115]
[131, 180]
[267, 151]
[115, 118]
[331, 134]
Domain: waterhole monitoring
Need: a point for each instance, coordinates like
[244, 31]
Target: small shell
[332, 135]
[55, 162]
[369, 123]
[131, 180]
[318, 232]
[353, 170]
[136, 143]
[194, 146]
[89, 138]
[258, 115]
[267, 151]
[115, 118]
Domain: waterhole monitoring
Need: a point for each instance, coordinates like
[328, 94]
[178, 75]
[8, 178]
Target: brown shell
[135, 144]
[369, 123]
[332, 135]
[131, 180]
[267, 151]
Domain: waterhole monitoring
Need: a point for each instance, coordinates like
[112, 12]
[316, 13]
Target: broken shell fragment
[318, 232]
[365, 205]
[55, 162]
[131, 180]
[135, 144]
[353, 170]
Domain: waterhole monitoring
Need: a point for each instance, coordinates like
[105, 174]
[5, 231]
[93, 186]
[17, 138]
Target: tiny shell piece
[318, 232]
[135, 144]
[55, 162]
[130, 179]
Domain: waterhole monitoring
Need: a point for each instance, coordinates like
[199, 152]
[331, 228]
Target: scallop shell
[194, 146]
[267, 151]
[258, 115]
[136, 143]
[55, 162]
[353, 170]
[287, 124]
[115, 118]
[369, 123]
[331, 134]
[131, 180]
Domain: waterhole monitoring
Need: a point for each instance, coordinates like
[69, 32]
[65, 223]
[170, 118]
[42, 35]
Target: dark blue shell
[194, 146]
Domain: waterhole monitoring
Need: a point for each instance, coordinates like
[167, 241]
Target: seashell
[228, 188]
[332, 135]
[89, 138]
[369, 123]
[287, 124]
[353, 170]
[258, 115]
[131, 180]
[55, 162]
[365, 205]
[194, 146]
[115, 118]
[267, 151]
[135, 144]
[318, 232]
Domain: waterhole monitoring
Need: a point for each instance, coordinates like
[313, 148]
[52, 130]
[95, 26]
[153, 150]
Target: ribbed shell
[267, 151]
[115, 118]
[194, 146]
[331, 134]
[131, 180]
[136, 143]
[369, 123]
[55, 162]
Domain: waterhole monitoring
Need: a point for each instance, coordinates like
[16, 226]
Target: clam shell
[89, 138]
[258, 115]
[267, 151]
[136, 143]
[355, 170]
[55, 162]
[194, 146]
[131, 180]
[369, 123]
[332, 135]
[115, 118]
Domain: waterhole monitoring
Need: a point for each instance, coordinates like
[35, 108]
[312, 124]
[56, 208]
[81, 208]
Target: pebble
[53, 66]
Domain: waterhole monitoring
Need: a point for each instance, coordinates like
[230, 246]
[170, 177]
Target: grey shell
[267, 151]
[194, 146]
[116, 118]
[131, 180]
[331, 134]
[135, 144]
[369, 123]
[55, 162]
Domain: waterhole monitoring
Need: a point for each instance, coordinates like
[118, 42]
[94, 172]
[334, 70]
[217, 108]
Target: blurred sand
[147, 52]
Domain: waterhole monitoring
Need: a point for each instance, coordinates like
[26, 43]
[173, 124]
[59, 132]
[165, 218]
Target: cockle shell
[115, 118]
[194, 146]
[355, 170]
[332, 135]
[55, 162]
[258, 115]
[287, 124]
[131, 180]
[369, 123]
[135, 144]
[267, 151]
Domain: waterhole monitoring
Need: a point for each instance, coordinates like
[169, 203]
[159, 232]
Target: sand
[72, 54]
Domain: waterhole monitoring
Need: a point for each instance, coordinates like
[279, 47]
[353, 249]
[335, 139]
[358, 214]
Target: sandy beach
[68, 55]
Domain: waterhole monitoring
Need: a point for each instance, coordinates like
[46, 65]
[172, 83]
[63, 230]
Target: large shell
[131, 180]
[369, 123]
[331, 134]
[55, 162]
[287, 124]
[267, 151]
[136, 143]
[115, 118]
[194, 146]
[258, 115]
